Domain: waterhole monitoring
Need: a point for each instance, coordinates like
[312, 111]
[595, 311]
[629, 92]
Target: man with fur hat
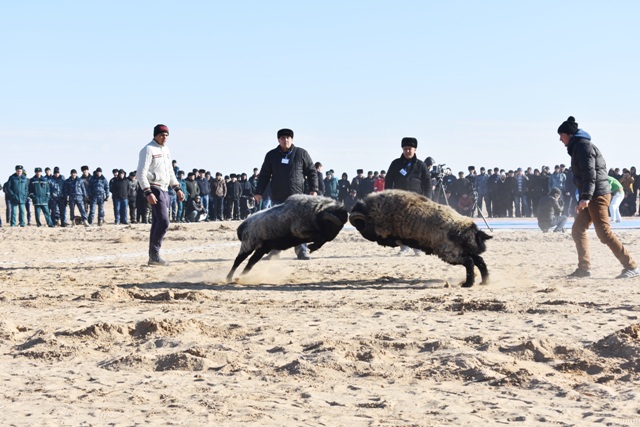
[58, 201]
[40, 193]
[287, 167]
[590, 177]
[155, 174]
[409, 173]
[17, 189]
[98, 194]
[75, 190]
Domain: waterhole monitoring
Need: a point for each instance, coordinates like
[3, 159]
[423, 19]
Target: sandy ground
[357, 336]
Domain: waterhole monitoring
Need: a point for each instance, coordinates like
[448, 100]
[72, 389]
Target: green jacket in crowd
[18, 189]
[39, 191]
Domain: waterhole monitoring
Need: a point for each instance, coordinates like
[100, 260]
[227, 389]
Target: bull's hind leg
[257, 256]
[484, 272]
[241, 257]
[468, 264]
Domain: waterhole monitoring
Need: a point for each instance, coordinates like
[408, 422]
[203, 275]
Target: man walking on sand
[155, 175]
[590, 177]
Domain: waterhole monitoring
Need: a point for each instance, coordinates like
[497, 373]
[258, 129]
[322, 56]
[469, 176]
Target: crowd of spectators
[494, 192]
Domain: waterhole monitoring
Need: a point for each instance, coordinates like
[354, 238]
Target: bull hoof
[485, 282]
[230, 279]
[466, 285]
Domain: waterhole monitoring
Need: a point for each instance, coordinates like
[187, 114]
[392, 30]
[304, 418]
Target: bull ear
[358, 220]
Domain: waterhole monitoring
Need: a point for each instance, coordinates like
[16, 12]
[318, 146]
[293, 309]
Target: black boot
[154, 259]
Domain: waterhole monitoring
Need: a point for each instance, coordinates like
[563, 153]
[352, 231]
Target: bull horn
[334, 219]
[357, 219]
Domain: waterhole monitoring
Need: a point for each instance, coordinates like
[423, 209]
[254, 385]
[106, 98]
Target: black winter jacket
[120, 188]
[416, 176]
[287, 172]
[588, 166]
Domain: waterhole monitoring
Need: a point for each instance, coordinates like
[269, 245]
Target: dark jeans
[8, 205]
[99, 202]
[487, 203]
[132, 209]
[159, 221]
[45, 211]
[77, 201]
[15, 216]
[180, 213]
[218, 209]
[58, 208]
[205, 204]
[173, 201]
[121, 210]
[597, 213]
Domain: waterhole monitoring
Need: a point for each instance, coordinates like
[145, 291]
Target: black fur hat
[285, 132]
[569, 126]
[409, 142]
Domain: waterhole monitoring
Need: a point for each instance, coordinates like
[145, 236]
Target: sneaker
[158, 261]
[628, 273]
[303, 256]
[559, 230]
[85, 223]
[580, 273]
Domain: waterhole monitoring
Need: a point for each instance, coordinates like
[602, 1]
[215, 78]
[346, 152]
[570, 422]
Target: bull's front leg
[468, 265]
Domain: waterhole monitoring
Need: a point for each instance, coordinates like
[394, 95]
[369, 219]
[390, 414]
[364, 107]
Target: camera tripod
[475, 207]
[439, 195]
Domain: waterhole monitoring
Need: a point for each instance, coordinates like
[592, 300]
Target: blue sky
[483, 83]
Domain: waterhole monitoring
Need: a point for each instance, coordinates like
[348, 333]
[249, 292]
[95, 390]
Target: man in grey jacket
[155, 175]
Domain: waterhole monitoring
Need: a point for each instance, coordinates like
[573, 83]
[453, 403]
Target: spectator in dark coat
[287, 167]
[195, 210]
[75, 190]
[205, 189]
[549, 212]
[40, 193]
[17, 190]
[120, 192]
[98, 194]
[343, 187]
[408, 173]
[234, 193]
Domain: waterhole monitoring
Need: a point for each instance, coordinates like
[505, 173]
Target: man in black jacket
[549, 212]
[286, 167]
[410, 174]
[590, 177]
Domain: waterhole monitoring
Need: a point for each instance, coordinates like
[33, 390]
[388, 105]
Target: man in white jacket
[155, 175]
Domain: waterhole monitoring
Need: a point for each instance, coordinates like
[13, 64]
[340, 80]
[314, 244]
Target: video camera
[437, 171]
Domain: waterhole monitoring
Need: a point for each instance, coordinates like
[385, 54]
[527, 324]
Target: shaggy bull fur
[300, 219]
[396, 217]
